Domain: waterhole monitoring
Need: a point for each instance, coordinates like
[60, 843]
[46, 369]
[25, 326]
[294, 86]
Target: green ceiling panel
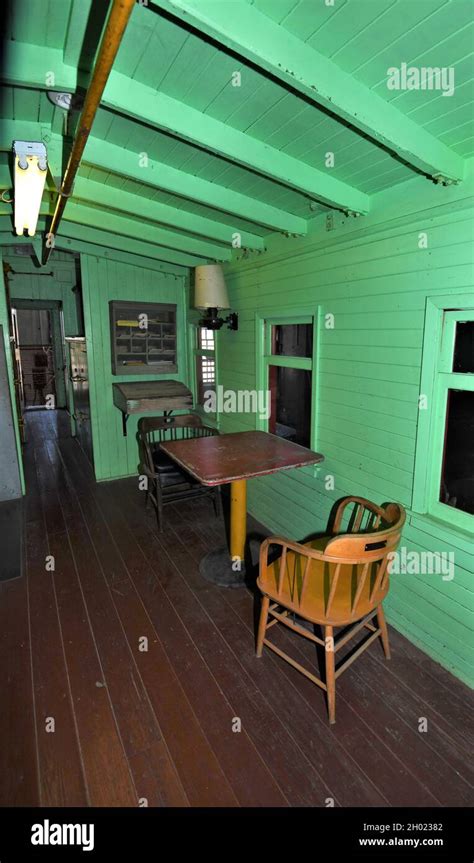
[362, 37]
[184, 156]
[40, 22]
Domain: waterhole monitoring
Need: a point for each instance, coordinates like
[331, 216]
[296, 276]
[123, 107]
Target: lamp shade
[210, 289]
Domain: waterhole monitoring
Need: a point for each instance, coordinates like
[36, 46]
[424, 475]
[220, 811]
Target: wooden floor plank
[107, 770]
[437, 761]
[156, 778]
[19, 781]
[393, 720]
[48, 492]
[154, 727]
[284, 700]
[61, 772]
[302, 785]
[447, 695]
[251, 781]
[136, 721]
[372, 757]
[202, 777]
[448, 740]
[108, 773]
[62, 780]
[400, 720]
[402, 785]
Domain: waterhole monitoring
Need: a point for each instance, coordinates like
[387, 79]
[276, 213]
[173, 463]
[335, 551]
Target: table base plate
[216, 567]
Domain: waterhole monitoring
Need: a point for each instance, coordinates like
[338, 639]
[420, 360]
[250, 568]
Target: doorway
[51, 382]
[39, 348]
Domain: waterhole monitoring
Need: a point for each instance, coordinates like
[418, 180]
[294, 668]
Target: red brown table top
[224, 458]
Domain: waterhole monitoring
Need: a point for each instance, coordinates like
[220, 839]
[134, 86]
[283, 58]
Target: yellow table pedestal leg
[238, 522]
[225, 567]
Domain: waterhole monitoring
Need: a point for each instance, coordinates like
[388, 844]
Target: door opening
[40, 378]
[40, 357]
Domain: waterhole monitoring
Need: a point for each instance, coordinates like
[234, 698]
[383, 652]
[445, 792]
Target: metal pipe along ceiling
[110, 43]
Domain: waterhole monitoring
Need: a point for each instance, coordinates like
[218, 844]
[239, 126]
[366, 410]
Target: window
[444, 474]
[205, 363]
[457, 487]
[206, 339]
[292, 340]
[287, 374]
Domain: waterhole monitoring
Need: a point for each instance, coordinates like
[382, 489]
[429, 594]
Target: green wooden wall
[31, 283]
[371, 274]
[5, 321]
[104, 280]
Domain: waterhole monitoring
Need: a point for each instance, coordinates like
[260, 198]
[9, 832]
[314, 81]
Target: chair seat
[318, 586]
[163, 463]
[177, 478]
[169, 474]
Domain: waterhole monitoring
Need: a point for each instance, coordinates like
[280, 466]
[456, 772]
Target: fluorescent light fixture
[30, 169]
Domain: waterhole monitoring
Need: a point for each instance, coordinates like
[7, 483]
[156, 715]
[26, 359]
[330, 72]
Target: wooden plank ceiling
[181, 160]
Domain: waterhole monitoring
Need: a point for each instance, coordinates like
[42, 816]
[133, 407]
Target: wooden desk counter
[137, 397]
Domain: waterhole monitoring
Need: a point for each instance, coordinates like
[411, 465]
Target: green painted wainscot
[104, 280]
[374, 275]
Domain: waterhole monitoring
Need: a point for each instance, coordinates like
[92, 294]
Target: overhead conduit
[110, 43]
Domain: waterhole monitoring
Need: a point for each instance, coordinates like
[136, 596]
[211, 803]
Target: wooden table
[235, 458]
[138, 397]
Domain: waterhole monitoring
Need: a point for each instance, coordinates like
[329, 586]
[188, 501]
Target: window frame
[264, 358]
[437, 378]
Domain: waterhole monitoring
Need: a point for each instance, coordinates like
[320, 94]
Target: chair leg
[383, 631]
[158, 504]
[330, 658]
[159, 516]
[217, 502]
[262, 625]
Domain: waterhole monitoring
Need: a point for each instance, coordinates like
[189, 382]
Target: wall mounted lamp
[31, 165]
[210, 295]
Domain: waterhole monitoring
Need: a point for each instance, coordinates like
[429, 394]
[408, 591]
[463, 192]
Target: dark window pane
[463, 360]
[292, 340]
[457, 478]
[290, 404]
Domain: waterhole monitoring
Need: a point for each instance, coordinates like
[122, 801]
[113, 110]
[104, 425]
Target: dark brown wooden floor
[131, 724]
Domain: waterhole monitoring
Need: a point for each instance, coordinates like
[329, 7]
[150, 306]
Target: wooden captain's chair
[167, 481]
[337, 582]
